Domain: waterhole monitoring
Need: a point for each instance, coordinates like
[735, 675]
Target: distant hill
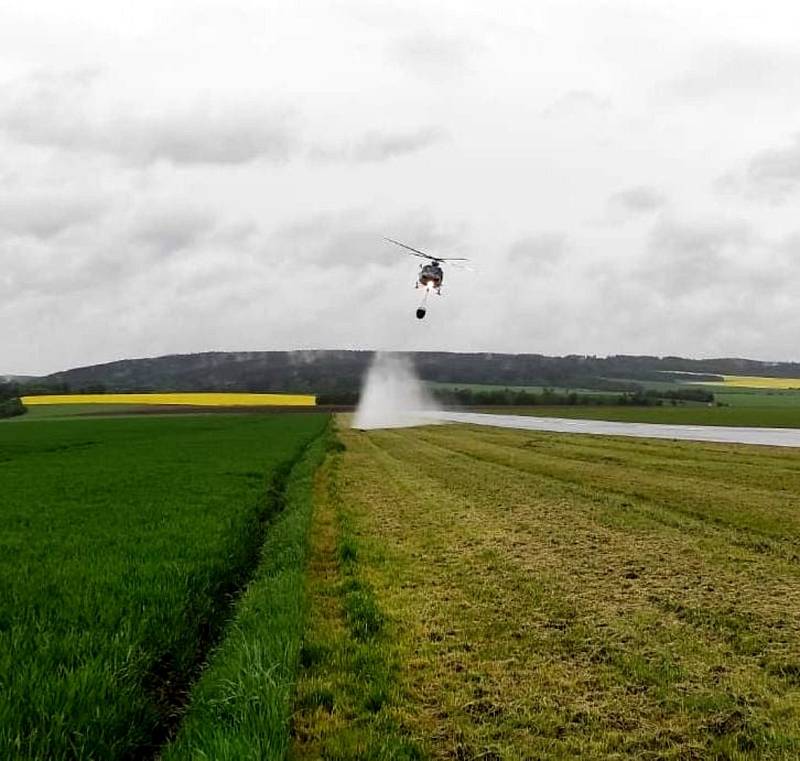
[331, 371]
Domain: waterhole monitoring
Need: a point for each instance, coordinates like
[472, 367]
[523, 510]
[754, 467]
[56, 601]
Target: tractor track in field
[169, 687]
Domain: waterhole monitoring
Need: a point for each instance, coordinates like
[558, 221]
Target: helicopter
[431, 275]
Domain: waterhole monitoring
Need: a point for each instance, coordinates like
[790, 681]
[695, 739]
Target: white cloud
[748, 69]
[178, 179]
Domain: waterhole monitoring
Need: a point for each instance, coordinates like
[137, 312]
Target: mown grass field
[123, 543]
[763, 416]
[493, 594]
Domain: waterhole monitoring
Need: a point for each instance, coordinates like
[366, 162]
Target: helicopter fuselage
[430, 276]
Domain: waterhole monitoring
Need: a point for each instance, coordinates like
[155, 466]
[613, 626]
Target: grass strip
[240, 708]
[348, 694]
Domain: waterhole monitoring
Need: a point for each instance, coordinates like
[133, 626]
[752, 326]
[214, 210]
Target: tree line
[468, 397]
[325, 372]
[508, 397]
[10, 404]
[339, 371]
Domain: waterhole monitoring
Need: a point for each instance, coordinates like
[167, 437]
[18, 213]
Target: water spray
[393, 396]
[423, 307]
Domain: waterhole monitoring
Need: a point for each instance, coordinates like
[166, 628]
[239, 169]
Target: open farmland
[40, 411]
[122, 544]
[493, 594]
[752, 381]
[749, 397]
[170, 399]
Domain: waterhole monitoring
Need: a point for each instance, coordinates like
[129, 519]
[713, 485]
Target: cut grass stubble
[347, 695]
[569, 597]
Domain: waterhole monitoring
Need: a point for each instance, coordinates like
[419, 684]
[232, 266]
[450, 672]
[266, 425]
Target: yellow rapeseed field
[194, 400]
[755, 381]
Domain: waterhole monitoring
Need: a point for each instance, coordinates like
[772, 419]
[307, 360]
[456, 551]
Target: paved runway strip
[775, 437]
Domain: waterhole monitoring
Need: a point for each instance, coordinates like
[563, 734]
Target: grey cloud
[576, 102]
[200, 136]
[429, 54]
[686, 258]
[45, 213]
[380, 146]
[113, 253]
[539, 252]
[714, 283]
[328, 240]
[377, 146]
[736, 68]
[774, 174]
[640, 199]
[62, 111]
[169, 229]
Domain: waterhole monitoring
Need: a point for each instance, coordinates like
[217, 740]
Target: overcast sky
[218, 174]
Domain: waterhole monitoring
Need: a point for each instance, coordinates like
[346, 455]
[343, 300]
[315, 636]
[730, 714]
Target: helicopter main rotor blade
[414, 251]
[417, 252]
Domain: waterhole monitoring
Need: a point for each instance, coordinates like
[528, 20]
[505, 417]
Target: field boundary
[169, 687]
[240, 706]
